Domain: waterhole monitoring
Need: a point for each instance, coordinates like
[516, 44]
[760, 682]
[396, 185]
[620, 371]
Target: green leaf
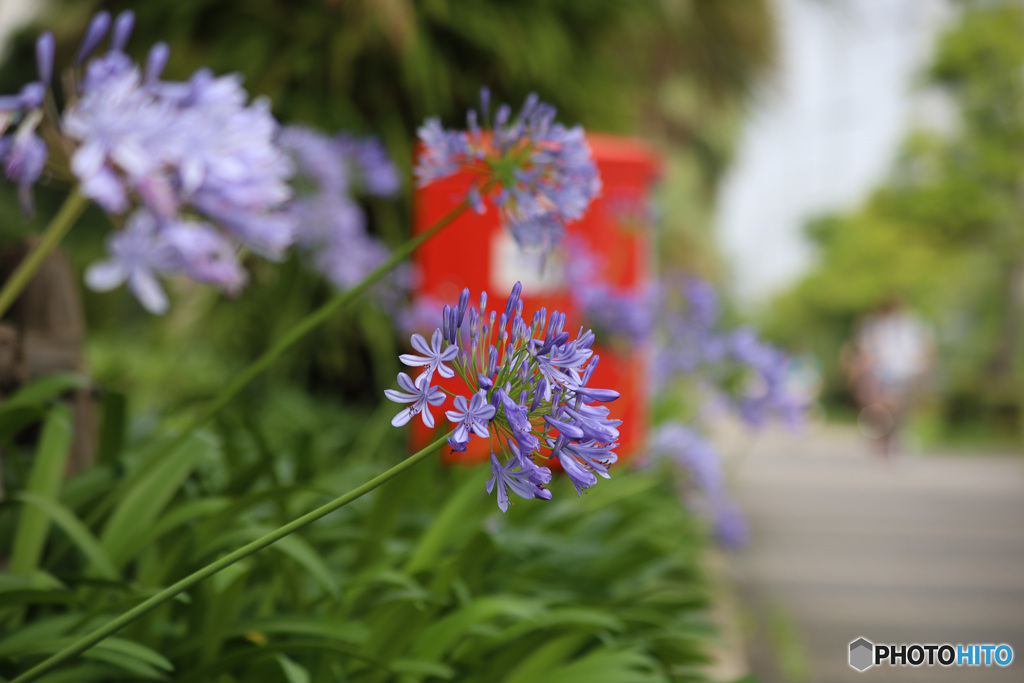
[295, 547]
[566, 618]
[83, 672]
[334, 630]
[36, 596]
[141, 652]
[606, 666]
[43, 390]
[127, 655]
[43, 628]
[438, 639]
[172, 519]
[548, 655]
[292, 671]
[14, 419]
[422, 667]
[112, 430]
[44, 481]
[77, 532]
[142, 506]
[442, 531]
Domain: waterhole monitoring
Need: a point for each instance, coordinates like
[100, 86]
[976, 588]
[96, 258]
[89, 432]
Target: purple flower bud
[93, 35]
[123, 26]
[156, 61]
[568, 429]
[44, 57]
[463, 302]
[485, 103]
[513, 299]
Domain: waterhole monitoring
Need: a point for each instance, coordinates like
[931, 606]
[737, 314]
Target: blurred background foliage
[944, 233]
[676, 72]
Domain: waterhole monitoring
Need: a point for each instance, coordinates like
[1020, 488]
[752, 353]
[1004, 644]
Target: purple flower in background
[693, 452]
[529, 383]
[330, 223]
[626, 315]
[138, 254]
[197, 158]
[205, 255]
[540, 174]
[23, 154]
[730, 524]
[420, 394]
[374, 172]
[696, 456]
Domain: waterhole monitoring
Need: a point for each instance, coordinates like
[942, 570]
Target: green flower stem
[69, 212]
[112, 627]
[306, 325]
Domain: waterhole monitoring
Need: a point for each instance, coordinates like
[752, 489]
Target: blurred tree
[946, 231]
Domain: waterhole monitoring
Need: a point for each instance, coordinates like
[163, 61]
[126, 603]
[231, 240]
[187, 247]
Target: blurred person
[887, 367]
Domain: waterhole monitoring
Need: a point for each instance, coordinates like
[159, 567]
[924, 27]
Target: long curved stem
[69, 212]
[112, 627]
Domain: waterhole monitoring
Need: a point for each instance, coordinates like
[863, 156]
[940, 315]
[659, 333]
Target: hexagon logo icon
[862, 653]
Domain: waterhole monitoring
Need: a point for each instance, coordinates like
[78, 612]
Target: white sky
[825, 131]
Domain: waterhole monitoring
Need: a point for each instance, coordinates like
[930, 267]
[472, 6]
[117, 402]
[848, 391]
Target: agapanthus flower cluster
[539, 173]
[739, 370]
[330, 225]
[527, 392]
[707, 492]
[23, 153]
[190, 169]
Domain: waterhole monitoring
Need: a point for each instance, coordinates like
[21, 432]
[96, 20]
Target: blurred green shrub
[422, 580]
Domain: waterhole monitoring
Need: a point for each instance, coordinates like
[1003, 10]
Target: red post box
[475, 251]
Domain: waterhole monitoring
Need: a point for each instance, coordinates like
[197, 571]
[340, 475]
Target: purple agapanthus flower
[540, 174]
[138, 255]
[469, 417]
[196, 158]
[420, 394]
[23, 153]
[434, 356]
[529, 386]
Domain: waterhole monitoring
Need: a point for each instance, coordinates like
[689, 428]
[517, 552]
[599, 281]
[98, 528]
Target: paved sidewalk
[929, 550]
